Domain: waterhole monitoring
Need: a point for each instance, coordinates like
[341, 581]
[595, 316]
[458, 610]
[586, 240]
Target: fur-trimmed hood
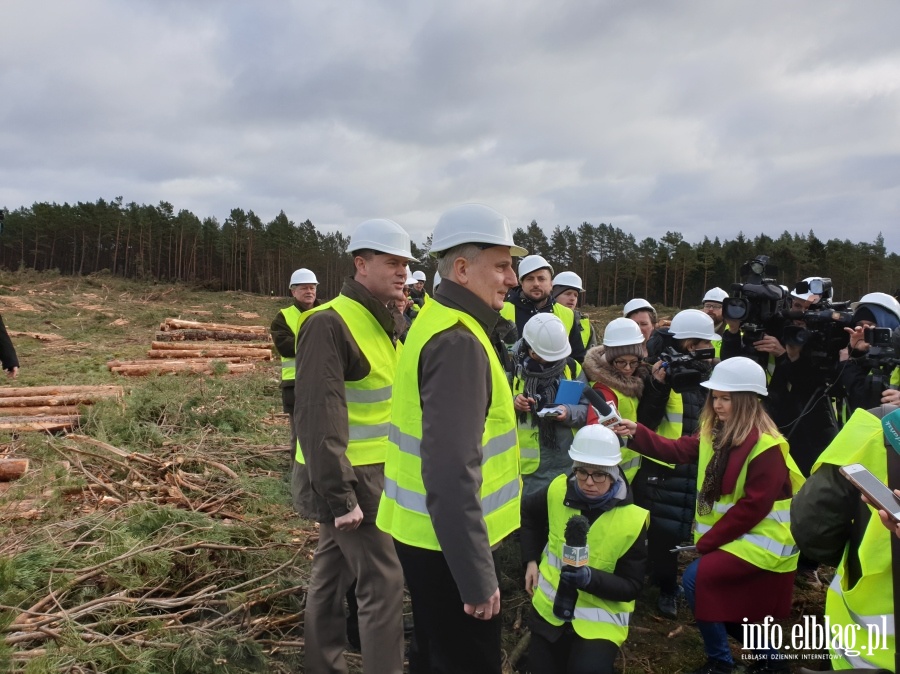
[597, 369]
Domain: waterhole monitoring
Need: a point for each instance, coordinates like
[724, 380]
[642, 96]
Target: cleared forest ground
[159, 537]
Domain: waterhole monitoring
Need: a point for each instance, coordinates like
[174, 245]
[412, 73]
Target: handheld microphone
[606, 411]
[575, 554]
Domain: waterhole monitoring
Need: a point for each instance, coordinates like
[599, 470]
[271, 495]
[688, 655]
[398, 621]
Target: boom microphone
[575, 554]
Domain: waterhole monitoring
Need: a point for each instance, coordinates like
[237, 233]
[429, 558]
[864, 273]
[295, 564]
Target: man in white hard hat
[452, 484]
[712, 307]
[284, 329]
[534, 296]
[346, 361]
[417, 292]
[567, 290]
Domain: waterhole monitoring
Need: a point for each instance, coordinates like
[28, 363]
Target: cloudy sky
[701, 117]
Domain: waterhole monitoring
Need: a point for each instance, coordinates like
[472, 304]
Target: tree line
[243, 253]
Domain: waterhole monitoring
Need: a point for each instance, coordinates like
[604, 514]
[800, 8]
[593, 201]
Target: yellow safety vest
[369, 399]
[293, 316]
[585, 323]
[609, 538]
[403, 512]
[627, 409]
[529, 436]
[769, 545]
[672, 422]
[566, 315]
[871, 600]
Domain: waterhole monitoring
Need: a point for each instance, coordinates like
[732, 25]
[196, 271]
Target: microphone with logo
[575, 555]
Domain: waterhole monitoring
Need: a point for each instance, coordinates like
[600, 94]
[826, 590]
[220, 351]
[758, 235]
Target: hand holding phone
[874, 490]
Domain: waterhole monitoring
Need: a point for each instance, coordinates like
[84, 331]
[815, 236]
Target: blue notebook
[569, 392]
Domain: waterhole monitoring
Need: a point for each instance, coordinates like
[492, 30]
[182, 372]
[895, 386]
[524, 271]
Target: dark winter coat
[525, 309]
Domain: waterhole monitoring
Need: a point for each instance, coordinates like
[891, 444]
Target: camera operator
[799, 380]
[867, 370]
[671, 405]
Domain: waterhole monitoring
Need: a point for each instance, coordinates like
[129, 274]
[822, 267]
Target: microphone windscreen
[577, 531]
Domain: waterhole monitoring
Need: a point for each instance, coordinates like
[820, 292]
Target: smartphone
[875, 490]
[549, 412]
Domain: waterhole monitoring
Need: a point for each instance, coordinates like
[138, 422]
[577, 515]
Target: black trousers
[446, 640]
[570, 654]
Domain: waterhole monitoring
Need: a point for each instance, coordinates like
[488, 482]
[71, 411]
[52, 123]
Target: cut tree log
[36, 424]
[44, 337]
[178, 324]
[52, 400]
[43, 410]
[100, 391]
[12, 469]
[197, 368]
[174, 361]
[213, 352]
[205, 335]
[169, 346]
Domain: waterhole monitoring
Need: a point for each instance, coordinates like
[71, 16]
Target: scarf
[711, 490]
[598, 502]
[541, 383]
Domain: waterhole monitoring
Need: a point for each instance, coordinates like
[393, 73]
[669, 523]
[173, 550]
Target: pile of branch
[175, 586]
[48, 408]
[237, 348]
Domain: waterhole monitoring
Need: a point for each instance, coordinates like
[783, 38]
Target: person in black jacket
[8, 353]
[669, 493]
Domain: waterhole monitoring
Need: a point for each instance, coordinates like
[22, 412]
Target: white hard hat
[569, 279]
[419, 276]
[622, 332]
[473, 223]
[410, 278]
[693, 323]
[807, 295]
[715, 295]
[382, 235]
[637, 304]
[436, 281]
[303, 276]
[882, 300]
[547, 337]
[533, 263]
[737, 374]
[596, 445]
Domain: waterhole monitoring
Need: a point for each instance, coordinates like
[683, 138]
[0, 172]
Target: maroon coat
[728, 588]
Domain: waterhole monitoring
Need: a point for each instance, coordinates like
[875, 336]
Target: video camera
[684, 371]
[822, 334]
[757, 301]
[881, 359]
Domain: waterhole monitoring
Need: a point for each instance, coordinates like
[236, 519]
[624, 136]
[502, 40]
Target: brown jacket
[455, 389]
[327, 486]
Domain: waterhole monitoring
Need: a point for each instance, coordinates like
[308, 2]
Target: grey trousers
[368, 555]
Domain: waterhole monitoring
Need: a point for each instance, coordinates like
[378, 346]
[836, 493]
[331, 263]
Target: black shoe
[667, 605]
[712, 666]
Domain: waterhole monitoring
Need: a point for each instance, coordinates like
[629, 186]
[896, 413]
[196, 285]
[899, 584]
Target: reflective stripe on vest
[769, 545]
[609, 538]
[403, 511]
[871, 600]
[672, 423]
[369, 399]
[293, 317]
[529, 436]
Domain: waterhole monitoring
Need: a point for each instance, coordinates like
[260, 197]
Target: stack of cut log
[180, 347]
[48, 408]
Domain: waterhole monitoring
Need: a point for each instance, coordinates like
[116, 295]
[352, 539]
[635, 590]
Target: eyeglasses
[712, 306]
[623, 364]
[598, 477]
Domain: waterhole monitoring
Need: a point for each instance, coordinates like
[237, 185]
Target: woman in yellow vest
[742, 531]
[616, 372]
[544, 440]
[600, 593]
[666, 490]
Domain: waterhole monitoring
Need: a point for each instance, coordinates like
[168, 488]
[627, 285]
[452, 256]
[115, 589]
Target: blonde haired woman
[742, 532]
